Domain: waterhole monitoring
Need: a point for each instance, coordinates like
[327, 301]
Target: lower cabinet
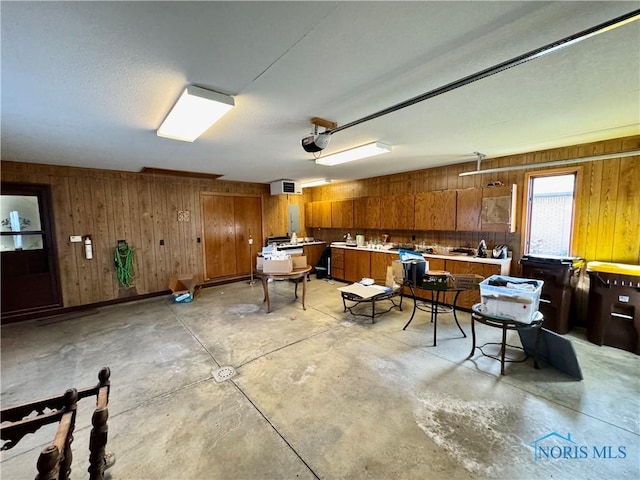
[357, 265]
[379, 263]
[313, 253]
[467, 299]
[352, 265]
[337, 263]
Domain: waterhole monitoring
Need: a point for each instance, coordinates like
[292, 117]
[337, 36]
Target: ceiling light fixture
[194, 112]
[316, 183]
[363, 151]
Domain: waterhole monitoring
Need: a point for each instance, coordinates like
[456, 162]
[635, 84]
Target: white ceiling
[88, 83]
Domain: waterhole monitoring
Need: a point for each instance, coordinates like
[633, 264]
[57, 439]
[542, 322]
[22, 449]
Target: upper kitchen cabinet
[308, 215]
[396, 212]
[342, 214]
[435, 210]
[498, 212]
[366, 212]
[321, 214]
[468, 208]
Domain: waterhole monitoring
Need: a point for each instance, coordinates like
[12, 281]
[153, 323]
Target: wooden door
[227, 223]
[366, 213]
[313, 253]
[396, 212]
[30, 280]
[321, 213]
[357, 265]
[337, 263]
[342, 214]
[468, 209]
[247, 223]
[435, 210]
[308, 217]
[379, 263]
[219, 236]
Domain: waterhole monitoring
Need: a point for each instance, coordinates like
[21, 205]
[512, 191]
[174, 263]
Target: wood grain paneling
[468, 208]
[366, 212]
[121, 205]
[139, 208]
[397, 210]
[321, 214]
[357, 265]
[342, 214]
[435, 210]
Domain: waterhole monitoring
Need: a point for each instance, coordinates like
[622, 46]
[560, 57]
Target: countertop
[459, 258]
[300, 244]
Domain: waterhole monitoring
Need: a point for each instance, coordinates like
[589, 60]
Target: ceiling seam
[306, 34]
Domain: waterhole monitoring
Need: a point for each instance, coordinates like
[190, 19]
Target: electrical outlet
[161, 242]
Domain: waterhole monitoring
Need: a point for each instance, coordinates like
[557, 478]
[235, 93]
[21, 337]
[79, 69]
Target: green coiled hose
[124, 264]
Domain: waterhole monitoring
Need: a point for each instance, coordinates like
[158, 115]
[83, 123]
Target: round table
[295, 274]
[478, 315]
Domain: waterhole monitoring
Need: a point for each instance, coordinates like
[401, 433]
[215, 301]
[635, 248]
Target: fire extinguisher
[88, 249]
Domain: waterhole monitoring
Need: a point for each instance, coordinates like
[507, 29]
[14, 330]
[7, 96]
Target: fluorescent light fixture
[194, 112]
[369, 150]
[316, 183]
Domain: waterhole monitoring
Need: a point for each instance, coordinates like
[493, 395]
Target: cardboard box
[299, 261]
[182, 287]
[466, 281]
[510, 303]
[277, 266]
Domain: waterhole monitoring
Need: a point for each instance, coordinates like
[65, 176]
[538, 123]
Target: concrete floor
[318, 394]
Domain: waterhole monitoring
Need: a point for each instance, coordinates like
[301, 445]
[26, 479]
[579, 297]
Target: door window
[20, 225]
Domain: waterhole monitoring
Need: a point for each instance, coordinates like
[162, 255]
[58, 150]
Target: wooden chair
[54, 462]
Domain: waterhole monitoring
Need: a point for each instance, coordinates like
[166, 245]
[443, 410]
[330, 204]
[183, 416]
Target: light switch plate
[75, 238]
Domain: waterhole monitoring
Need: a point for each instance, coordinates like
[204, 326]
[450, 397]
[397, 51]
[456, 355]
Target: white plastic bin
[508, 301]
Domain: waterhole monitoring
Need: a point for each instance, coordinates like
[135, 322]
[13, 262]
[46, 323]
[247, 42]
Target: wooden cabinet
[379, 263]
[357, 265]
[321, 214]
[337, 263]
[435, 210]
[397, 212]
[342, 214]
[366, 212]
[498, 213]
[308, 216]
[313, 253]
[467, 299]
[468, 208]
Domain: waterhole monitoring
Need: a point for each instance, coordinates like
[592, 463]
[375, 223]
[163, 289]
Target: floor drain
[224, 373]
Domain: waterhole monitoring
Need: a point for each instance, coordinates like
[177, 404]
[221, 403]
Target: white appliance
[286, 187]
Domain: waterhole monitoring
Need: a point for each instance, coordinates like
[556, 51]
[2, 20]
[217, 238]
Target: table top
[477, 309]
[356, 290]
[295, 273]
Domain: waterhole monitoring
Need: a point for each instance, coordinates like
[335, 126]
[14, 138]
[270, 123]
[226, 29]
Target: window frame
[526, 204]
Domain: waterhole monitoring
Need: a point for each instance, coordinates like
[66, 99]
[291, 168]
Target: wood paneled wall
[142, 209]
[139, 208]
[608, 203]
